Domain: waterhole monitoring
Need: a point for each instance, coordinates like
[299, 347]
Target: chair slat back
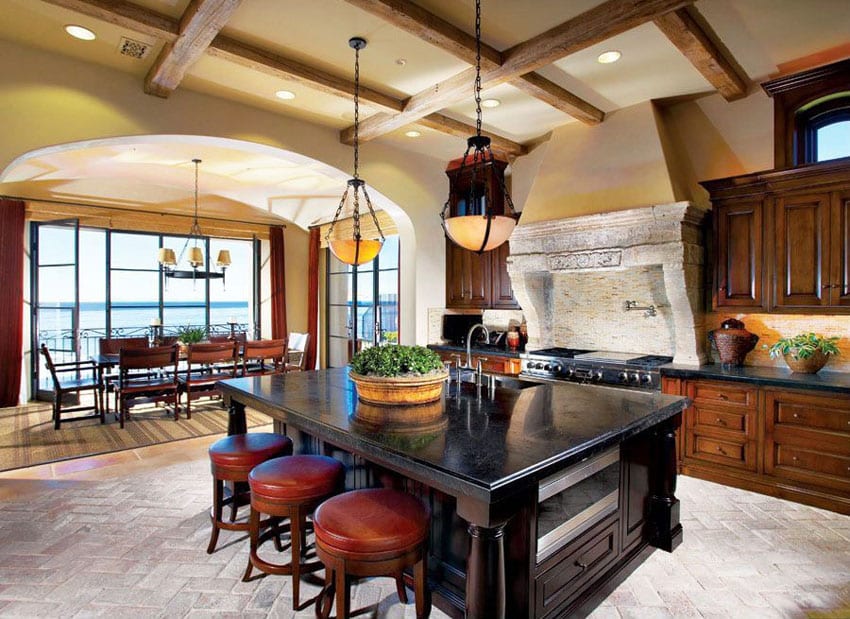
[220, 352]
[147, 358]
[48, 360]
[113, 346]
[260, 351]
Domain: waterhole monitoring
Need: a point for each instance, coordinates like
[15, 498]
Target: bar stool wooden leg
[399, 587]
[218, 499]
[421, 593]
[254, 535]
[342, 610]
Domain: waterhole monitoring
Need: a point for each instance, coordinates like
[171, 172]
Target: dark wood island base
[481, 478]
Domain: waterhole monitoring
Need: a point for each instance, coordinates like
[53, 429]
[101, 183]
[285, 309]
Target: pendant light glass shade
[479, 214]
[479, 233]
[355, 250]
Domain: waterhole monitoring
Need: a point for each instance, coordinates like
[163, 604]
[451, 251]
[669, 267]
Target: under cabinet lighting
[79, 32]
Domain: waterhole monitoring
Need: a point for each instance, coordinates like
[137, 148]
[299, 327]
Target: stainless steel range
[632, 370]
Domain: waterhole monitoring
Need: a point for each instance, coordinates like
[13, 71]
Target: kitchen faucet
[469, 342]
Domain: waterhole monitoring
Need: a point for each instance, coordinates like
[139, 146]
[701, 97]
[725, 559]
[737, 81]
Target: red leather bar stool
[231, 459]
[289, 487]
[371, 532]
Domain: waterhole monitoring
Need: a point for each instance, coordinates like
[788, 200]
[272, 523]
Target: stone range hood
[573, 276]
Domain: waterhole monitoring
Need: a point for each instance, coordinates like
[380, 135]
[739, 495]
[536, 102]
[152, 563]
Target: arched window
[811, 115]
[823, 129]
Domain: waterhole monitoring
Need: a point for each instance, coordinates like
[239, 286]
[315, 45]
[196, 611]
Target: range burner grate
[558, 352]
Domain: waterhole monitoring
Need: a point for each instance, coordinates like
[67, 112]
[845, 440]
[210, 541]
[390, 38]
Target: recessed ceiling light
[78, 32]
[284, 94]
[412, 134]
[608, 57]
[491, 103]
[401, 61]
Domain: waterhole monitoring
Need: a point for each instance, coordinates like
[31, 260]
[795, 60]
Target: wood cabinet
[782, 240]
[477, 281]
[794, 444]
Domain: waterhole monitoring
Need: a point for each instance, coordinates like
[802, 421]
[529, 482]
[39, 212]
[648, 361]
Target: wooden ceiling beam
[697, 41]
[417, 21]
[593, 26]
[201, 22]
[286, 68]
[124, 14]
[460, 129]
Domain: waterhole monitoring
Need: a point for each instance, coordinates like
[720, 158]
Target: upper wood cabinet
[782, 239]
[478, 281]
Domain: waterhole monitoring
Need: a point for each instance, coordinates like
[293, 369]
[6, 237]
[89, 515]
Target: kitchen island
[484, 461]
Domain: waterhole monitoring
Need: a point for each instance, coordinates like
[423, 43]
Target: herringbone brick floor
[125, 535]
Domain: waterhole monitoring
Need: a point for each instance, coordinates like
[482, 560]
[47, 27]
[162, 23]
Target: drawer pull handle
[580, 565]
[796, 415]
[719, 421]
[721, 450]
[723, 397]
[795, 458]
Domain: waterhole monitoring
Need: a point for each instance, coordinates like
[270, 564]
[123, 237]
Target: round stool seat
[374, 520]
[248, 450]
[296, 478]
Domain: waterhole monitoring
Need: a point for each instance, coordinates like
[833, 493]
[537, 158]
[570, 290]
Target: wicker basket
[733, 341]
[809, 365]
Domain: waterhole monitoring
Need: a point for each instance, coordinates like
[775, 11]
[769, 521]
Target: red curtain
[278, 284]
[313, 300]
[11, 300]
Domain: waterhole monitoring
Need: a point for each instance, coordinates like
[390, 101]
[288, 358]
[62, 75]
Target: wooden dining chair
[147, 374]
[296, 352]
[75, 384]
[206, 365]
[113, 346]
[263, 357]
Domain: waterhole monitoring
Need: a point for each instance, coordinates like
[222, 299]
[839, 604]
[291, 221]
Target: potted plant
[190, 335]
[398, 375]
[806, 352]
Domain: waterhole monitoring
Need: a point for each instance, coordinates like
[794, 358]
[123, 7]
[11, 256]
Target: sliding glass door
[362, 304]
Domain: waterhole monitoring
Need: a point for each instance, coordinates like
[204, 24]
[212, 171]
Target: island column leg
[485, 573]
[236, 422]
[666, 528]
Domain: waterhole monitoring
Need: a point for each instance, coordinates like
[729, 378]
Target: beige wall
[49, 100]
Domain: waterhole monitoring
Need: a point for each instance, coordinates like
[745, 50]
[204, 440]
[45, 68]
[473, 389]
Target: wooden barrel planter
[399, 390]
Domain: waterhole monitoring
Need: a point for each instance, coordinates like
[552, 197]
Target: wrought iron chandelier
[168, 260]
[355, 250]
[474, 216]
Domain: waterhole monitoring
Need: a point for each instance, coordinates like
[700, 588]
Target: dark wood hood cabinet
[782, 240]
[477, 281]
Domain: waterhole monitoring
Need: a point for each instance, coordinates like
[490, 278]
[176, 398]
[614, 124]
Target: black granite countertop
[480, 349]
[482, 446]
[763, 375]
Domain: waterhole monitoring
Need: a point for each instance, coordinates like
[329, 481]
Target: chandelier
[355, 250]
[168, 260]
[474, 214]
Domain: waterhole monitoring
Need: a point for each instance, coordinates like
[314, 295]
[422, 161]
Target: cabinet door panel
[479, 278]
[456, 295]
[738, 239]
[840, 251]
[502, 292]
[802, 242]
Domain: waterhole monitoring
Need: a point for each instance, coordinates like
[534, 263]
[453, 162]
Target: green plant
[396, 361]
[191, 335]
[804, 345]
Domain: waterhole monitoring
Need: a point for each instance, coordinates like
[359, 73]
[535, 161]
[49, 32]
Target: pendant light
[168, 260]
[474, 214]
[355, 250]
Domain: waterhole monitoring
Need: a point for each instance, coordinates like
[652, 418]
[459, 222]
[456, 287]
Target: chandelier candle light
[168, 261]
[355, 250]
[476, 221]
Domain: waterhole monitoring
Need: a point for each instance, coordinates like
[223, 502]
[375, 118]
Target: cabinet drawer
[807, 414]
[727, 394]
[733, 420]
[728, 452]
[568, 573]
[793, 457]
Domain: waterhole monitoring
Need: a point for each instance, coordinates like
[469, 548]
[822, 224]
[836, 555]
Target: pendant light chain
[356, 140]
[478, 67]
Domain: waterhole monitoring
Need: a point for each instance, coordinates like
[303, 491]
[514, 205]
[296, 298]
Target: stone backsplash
[771, 327]
[495, 320]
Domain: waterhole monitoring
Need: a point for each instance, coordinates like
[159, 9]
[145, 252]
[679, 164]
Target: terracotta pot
[807, 366]
[399, 390]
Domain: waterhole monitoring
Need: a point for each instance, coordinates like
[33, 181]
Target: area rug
[27, 436]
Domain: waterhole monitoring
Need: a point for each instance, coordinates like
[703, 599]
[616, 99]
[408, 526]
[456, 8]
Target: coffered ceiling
[539, 57]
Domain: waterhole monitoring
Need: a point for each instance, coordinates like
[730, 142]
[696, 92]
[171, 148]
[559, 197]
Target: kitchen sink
[510, 382]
